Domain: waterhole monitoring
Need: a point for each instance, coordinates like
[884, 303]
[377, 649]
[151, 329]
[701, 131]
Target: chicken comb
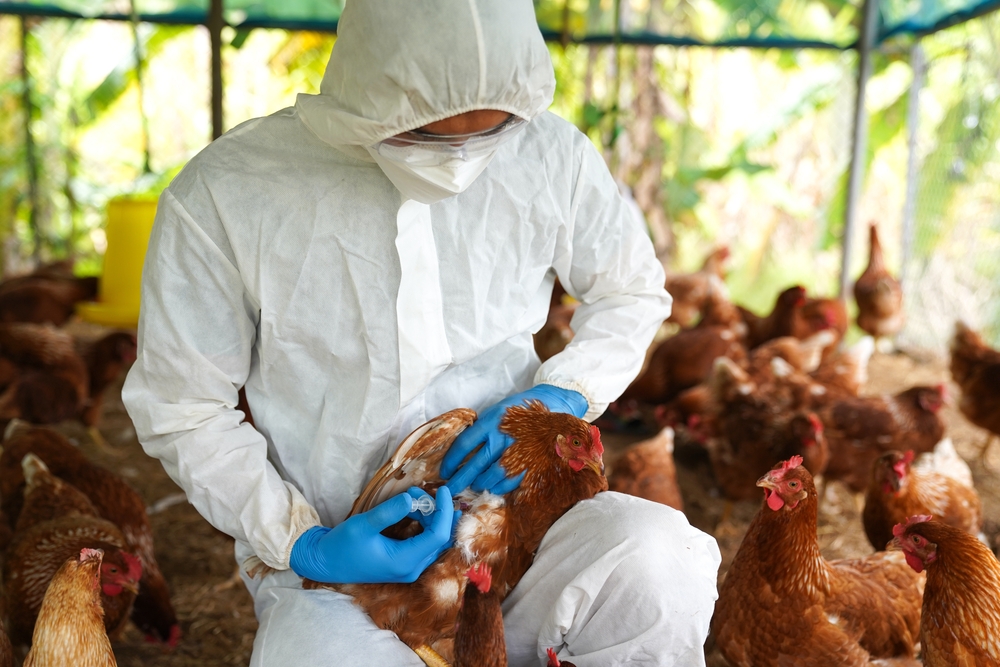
[481, 576]
[900, 528]
[779, 473]
[553, 658]
[791, 463]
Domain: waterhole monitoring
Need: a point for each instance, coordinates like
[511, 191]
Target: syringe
[423, 504]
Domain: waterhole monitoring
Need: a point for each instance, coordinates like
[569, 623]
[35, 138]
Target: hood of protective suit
[398, 65]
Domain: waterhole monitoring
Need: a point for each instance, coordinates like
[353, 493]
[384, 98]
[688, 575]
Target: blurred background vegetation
[743, 146]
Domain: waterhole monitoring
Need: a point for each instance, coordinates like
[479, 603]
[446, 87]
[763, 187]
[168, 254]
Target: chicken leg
[431, 657]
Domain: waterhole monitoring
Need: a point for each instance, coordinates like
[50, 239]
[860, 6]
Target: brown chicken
[56, 522]
[752, 429]
[975, 368]
[50, 382]
[782, 603]
[879, 295]
[691, 290]
[960, 618]
[898, 491]
[859, 430]
[479, 636]
[556, 333]
[647, 470]
[778, 322]
[70, 628]
[44, 298]
[561, 457]
[105, 359]
[54, 377]
[817, 315]
[681, 362]
[115, 501]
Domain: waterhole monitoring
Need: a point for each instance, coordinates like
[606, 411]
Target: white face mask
[428, 175]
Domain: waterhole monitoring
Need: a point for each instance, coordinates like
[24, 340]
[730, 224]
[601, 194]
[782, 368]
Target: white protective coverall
[281, 260]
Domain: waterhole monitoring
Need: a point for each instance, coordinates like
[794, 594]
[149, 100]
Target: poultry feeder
[130, 222]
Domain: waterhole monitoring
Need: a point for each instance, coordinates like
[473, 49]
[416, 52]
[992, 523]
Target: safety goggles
[414, 145]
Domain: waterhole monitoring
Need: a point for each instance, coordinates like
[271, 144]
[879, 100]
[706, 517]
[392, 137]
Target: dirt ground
[215, 611]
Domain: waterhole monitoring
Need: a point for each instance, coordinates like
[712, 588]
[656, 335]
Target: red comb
[900, 528]
[908, 456]
[793, 462]
[481, 576]
[553, 659]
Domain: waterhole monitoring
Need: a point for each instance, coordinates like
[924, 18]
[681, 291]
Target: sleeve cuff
[594, 410]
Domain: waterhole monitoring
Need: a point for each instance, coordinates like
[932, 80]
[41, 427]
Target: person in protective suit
[373, 257]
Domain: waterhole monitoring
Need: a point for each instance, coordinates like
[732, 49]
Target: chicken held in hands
[646, 470]
[960, 617]
[975, 368]
[70, 628]
[879, 295]
[782, 603]
[898, 490]
[859, 430]
[561, 458]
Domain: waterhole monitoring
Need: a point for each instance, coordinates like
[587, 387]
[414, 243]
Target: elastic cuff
[287, 560]
[594, 410]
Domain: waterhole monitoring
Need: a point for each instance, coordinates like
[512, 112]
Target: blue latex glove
[354, 552]
[483, 471]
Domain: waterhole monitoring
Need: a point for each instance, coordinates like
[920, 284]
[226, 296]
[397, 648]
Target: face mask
[428, 175]
[428, 168]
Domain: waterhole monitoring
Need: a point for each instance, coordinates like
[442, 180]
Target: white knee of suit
[617, 580]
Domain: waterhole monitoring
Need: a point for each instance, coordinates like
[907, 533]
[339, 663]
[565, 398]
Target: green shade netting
[779, 23]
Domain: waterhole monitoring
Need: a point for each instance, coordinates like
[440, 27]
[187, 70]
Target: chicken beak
[131, 586]
[767, 482]
[894, 545]
[597, 465]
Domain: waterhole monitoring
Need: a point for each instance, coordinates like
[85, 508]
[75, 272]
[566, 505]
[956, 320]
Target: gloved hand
[354, 552]
[483, 471]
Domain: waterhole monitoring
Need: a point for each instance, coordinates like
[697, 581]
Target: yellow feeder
[129, 223]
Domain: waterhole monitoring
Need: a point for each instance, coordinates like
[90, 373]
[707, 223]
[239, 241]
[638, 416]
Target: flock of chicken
[76, 543]
[775, 402]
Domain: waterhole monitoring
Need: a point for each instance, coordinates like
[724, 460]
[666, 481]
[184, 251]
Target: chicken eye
[793, 485]
[916, 540]
[576, 442]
